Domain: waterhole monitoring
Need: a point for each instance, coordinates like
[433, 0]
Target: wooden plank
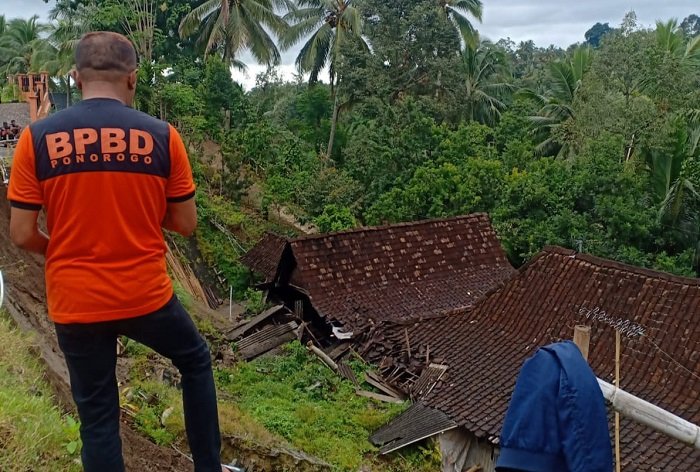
[377, 382]
[339, 350]
[346, 371]
[239, 331]
[268, 345]
[265, 334]
[430, 376]
[377, 396]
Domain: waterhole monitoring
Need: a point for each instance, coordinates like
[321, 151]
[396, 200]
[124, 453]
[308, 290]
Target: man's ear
[131, 80]
[75, 75]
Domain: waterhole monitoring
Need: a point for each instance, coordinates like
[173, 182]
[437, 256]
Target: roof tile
[486, 346]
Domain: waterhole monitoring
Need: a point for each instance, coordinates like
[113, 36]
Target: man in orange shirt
[109, 179]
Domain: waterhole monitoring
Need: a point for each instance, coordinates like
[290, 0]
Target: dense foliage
[594, 147]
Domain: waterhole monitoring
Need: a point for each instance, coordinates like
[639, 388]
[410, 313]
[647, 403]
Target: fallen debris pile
[265, 333]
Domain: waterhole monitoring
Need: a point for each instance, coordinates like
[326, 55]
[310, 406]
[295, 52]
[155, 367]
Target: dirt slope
[25, 301]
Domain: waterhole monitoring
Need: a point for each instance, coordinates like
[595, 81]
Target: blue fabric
[556, 420]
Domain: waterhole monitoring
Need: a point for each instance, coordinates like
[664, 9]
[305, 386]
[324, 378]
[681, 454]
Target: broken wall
[462, 451]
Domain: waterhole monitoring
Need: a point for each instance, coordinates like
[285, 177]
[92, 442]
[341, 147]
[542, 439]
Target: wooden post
[408, 343]
[617, 413]
[230, 303]
[322, 355]
[582, 339]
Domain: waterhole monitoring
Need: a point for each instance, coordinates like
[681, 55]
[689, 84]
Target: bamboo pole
[322, 355]
[617, 413]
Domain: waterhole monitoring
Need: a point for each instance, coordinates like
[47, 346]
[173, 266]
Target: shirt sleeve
[25, 191]
[180, 186]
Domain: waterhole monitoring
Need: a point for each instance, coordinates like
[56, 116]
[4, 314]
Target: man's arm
[181, 217]
[24, 231]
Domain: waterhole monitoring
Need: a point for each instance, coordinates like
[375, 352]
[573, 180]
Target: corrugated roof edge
[416, 423]
[474, 216]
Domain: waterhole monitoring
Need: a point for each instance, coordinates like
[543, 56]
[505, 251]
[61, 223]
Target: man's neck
[99, 90]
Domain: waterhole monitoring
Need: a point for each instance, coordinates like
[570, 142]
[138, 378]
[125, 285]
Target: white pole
[230, 303]
[640, 410]
[651, 415]
[2, 289]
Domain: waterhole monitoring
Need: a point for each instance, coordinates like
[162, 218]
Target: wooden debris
[338, 351]
[376, 381]
[212, 299]
[430, 376]
[408, 343]
[379, 397]
[322, 355]
[184, 274]
[266, 339]
[345, 371]
[239, 331]
[299, 309]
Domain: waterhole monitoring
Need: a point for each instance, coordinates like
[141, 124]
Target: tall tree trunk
[334, 125]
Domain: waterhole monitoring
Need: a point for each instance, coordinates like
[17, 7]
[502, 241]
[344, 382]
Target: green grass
[34, 433]
[292, 399]
[301, 400]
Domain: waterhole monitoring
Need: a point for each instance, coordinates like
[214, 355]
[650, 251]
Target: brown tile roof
[486, 346]
[18, 111]
[399, 271]
[264, 257]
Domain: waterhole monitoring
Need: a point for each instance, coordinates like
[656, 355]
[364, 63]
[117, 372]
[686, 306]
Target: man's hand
[24, 231]
[181, 217]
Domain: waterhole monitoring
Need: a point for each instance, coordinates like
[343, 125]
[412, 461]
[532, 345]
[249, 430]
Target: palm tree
[229, 26]
[670, 168]
[70, 20]
[675, 175]
[671, 38]
[20, 42]
[332, 24]
[485, 82]
[457, 11]
[556, 103]
[57, 55]
[329, 24]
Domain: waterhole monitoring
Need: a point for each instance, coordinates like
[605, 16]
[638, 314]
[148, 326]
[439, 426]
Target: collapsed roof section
[394, 272]
[483, 348]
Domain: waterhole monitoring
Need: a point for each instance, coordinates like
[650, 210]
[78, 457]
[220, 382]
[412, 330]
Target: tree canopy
[401, 111]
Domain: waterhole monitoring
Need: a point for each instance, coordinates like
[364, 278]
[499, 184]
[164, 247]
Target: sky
[558, 22]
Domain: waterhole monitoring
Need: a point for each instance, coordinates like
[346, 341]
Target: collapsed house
[344, 284]
[469, 361]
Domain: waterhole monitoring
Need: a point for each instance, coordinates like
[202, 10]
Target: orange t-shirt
[104, 173]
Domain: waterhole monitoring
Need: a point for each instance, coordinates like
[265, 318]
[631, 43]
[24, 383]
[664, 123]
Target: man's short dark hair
[105, 52]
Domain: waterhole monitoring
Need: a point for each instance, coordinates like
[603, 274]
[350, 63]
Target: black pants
[90, 352]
